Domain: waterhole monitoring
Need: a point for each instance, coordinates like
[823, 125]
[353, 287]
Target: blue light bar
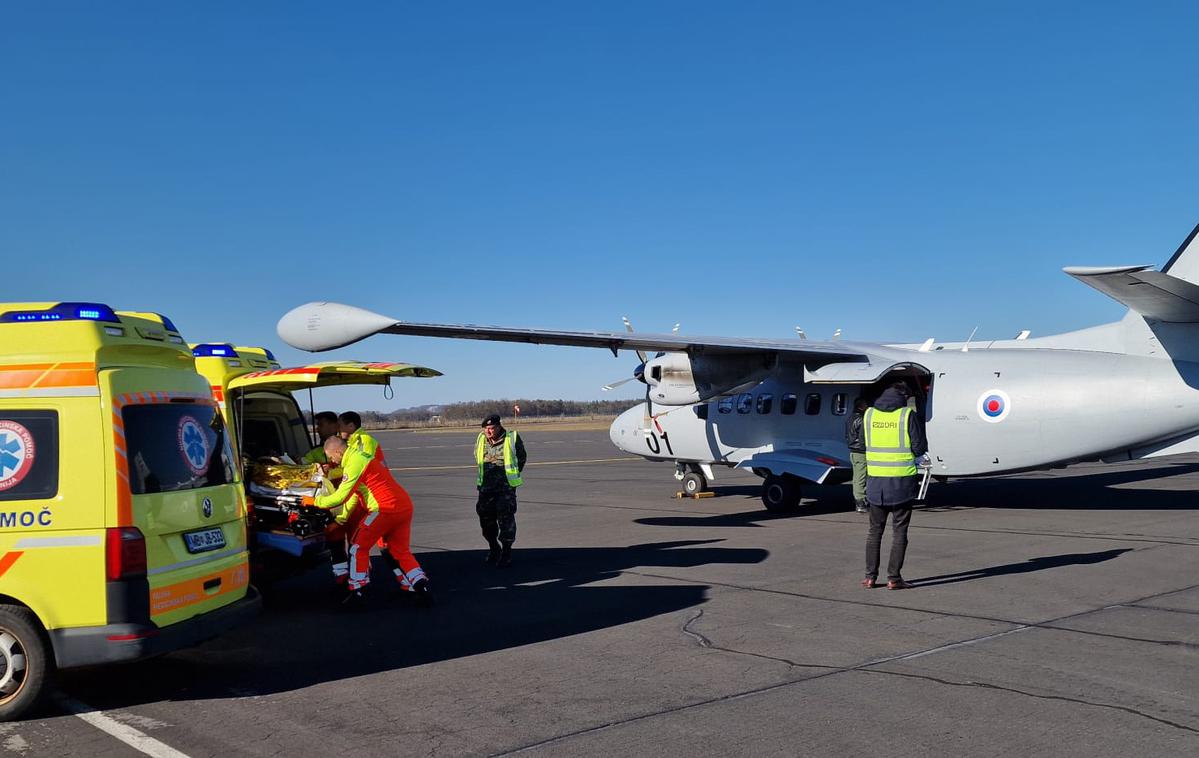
[167, 323]
[269, 355]
[63, 312]
[214, 350]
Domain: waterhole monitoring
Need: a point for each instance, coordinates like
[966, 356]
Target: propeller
[800, 332]
[639, 373]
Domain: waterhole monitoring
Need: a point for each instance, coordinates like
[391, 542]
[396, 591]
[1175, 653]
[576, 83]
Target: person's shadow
[1024, 567]
[302, 638]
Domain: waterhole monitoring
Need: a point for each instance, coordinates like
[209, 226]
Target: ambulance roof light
[63, 312]
[214, 350]
[167, 323]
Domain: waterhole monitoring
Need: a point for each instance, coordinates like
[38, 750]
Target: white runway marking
[134, 738]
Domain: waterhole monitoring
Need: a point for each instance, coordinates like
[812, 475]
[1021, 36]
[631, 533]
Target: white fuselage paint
[1065, 405]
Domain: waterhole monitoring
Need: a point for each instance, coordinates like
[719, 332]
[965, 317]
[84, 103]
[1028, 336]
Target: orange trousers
[395, 529]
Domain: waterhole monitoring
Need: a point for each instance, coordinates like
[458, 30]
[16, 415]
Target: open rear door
[328, 374]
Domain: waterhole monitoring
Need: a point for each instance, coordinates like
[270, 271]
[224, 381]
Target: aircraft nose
[623, 427]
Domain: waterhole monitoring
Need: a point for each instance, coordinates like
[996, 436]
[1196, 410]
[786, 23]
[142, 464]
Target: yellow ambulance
[122, 514]
[266, 424]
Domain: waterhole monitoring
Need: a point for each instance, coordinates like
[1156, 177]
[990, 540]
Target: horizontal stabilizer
[1150, 293]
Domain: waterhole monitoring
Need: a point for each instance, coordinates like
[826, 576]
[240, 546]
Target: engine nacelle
[679, 379]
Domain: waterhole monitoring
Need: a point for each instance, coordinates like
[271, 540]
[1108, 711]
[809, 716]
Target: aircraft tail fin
[1171, 294]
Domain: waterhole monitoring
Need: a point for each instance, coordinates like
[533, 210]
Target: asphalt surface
[1056, 614]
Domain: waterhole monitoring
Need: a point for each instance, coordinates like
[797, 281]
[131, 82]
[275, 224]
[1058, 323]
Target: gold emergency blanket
[281, 478]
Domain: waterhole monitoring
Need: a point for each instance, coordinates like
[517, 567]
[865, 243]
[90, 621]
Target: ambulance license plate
[208, 539]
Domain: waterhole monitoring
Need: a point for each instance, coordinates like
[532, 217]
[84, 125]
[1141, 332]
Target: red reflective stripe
[8, 560]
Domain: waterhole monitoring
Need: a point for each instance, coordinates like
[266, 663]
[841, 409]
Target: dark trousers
[901, 515]
[497, 515]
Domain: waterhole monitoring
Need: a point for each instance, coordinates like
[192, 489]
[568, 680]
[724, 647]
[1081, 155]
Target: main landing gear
[781, 493]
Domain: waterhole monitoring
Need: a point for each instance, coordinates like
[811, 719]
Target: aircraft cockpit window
[840, 404]
[811, 404]
[789, 404]
[765, 402]
[725, 405]
[745, 403]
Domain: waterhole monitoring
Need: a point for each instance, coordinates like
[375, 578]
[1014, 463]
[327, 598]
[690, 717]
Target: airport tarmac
[1056, 614]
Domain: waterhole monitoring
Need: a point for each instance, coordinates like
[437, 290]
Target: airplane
[1120, 391]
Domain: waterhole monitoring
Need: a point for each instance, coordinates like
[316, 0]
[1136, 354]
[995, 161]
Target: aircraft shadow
[1024, 567]
[302, 638]
[1067, 491]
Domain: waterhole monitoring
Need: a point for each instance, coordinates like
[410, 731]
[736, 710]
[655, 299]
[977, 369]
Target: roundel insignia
[993, 406]
[193, 445]
[17, 453]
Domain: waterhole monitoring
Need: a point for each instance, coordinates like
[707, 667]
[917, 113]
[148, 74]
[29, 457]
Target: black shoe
[505, 557]
[860, 507]
[493, 556]
[422, 594]
[354, 601]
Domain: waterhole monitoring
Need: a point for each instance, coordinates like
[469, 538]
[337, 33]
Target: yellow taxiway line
[534, 463]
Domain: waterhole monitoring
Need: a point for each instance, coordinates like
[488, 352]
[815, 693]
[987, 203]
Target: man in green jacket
[500, 456]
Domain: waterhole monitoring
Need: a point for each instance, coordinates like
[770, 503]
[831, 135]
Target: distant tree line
[474, 411]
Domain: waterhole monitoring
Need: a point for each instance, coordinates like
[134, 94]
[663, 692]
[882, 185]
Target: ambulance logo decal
[17, 452]
[993, 406]
[193, 443]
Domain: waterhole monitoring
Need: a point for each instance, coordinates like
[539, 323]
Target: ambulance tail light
[125, 553]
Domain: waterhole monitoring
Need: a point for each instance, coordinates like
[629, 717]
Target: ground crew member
[367, 484]
[856, 441]
[350, 428]
[894, 441]
[500, 456]
[336, 532]
[326, 427]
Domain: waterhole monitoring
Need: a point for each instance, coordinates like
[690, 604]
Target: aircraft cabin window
[811, 405]
[789, 404]
[840, 404]
[745, 403]
[765, 402]
[701, 411]
[725, 405]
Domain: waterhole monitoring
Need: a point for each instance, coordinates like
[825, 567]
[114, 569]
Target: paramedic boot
[422, 593]
[505, 556]
[355, 600]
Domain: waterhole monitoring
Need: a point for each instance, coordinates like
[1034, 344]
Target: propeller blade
[675, 330]
[801, 334]
[837, 334]
[616, 384]
[628, 325]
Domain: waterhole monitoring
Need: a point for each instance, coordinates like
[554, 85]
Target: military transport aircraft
[1120, 391]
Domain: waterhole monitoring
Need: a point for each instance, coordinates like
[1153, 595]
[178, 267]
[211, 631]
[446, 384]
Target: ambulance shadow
[302, 638]
[1024, 567]
[1101, 490]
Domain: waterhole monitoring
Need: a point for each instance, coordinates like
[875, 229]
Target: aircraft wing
[324, 326]
[1150, 293]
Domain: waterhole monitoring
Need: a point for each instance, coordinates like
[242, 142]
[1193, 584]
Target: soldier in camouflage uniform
[500, 456]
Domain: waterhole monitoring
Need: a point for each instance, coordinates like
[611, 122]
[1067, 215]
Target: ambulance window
[725, 405]
[789, 404]
[28, 458]
[765, 403]
[840, 404]
[811, 404]
[175, 446]
[745, 403]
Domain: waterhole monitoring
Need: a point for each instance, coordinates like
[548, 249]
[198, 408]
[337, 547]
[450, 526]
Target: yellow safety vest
[511, 466]
[888, 444]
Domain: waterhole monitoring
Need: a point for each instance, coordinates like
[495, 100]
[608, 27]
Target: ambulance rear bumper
[121, 643]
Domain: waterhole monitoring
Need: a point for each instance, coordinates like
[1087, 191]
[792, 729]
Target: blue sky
[737, 167]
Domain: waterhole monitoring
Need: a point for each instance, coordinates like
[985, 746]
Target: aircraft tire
[694, 483]
[780, 493]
